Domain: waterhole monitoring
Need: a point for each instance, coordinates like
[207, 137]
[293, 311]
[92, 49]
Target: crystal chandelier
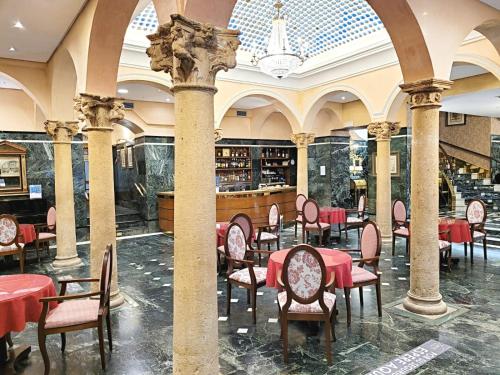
[279, 60]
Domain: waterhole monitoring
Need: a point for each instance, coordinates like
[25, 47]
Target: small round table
[20, 303]
[459, 230]
[27, 232]
[335, 261]
[332, 215]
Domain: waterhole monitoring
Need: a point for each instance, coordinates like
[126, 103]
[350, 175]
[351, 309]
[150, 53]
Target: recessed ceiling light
[425, 14]
[19, 25]
[12, 49]
[342, 97]
[122, 91]
[168, 99]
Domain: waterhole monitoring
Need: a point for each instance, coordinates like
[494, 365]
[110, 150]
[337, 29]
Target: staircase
[128, 222]
[468, 182]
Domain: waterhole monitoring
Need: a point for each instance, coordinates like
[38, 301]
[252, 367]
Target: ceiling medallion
[279, 61]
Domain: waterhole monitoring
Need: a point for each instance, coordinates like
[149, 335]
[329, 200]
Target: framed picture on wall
[130, 157]
[453, 119]
[123, 158]
[394, 165]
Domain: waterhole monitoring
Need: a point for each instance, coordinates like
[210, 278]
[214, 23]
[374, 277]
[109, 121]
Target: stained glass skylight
[322, 24]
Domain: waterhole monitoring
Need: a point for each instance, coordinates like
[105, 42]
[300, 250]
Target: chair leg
[248, 296]
[278, 243]
[321, 233]
[21, 260]
[101, 345]
[228, 299]
[304, 232]
[347, 293]
[108, 325]
[328, 344]
[345, 230]
[393, 245]
[359, 234]
[254, 305]
[37, 247]
[284, 334]
[379, 299]
[407, 245]
[465, 248]
[449, 259]
[332, 322]
[484, 248]
[472, 252]
[295, 228]
[43, 350]
[361, 295]
[9, 340]
[63, 342]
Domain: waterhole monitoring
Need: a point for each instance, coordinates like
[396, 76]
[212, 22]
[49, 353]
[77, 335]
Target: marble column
[193, 53]
[99, 113]
[425, 100]
[383, 132]
[302, 140]
[62, 133]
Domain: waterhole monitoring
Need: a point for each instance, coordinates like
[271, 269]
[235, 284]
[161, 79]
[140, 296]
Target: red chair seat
[243, 275]
[402, 231]
[313, 226]
[73, 312]
[443, 244]
[296, 307]
[46, 236]
[360, 275]
[10, 247]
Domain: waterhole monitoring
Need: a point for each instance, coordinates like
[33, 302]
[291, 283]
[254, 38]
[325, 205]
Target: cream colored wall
[276, 127]
[18, 112]
[121, 133]
[481, 82]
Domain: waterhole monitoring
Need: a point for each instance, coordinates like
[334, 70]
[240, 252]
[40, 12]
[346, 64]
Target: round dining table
[20, 303]
[332, 215]
[459, 230]
[336, 261]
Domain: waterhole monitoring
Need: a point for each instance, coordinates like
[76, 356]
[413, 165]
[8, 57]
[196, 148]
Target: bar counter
[254, 203]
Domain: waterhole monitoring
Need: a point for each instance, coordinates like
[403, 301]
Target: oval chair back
[310, 212]
[245, 222]
[362, 205]
[51, 219]
[106, 273]
[9, 230]
[371, 243]
[274, 218]
[304, 276]
[235, 244]
[399, 215]
[476, 212]
[299, 203]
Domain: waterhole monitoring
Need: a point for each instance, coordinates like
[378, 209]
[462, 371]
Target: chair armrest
[245, 261]
[332, 280]
[364, 260]
[261, 251]
[86, 280]
[348, 250]
[351, 210]
[279, 280]
[69, 297]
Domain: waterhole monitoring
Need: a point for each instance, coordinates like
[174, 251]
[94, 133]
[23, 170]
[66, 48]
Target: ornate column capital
[426, 93]
[192, 52]
[217, 134]
[98, 112]
[61, 131]
[383, 130]
[302, 139]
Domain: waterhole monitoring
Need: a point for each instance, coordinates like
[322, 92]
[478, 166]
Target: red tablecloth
[336, 261]
[28, 233]
[19, 300]
[221, 229]
[459, 230]
[332, 215]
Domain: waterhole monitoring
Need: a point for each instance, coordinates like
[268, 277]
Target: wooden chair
[45, 232]
[311, 223]
[299, 203]
[400, 224]
[246, 224]
[445, 249]
[76, 311]
[249, 277]
[305, 297]
[370, 246]
[270, 233]
[356, 222]
[476, 216]
[9, 239]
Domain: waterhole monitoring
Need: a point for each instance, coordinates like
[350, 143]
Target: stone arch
[281, 103]
[321, 98]
[284, 132]
[393, 104]
[479, 60]
[64, 85]
[146, 80]
[491, 31]
[132, 126]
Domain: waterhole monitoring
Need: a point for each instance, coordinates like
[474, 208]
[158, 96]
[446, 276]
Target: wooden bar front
[254, 203]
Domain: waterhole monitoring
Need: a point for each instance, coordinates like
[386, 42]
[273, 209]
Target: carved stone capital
[217, 134]
[98, 112]
[302, 139]
[192, 52]
[61, 131]
[426, 93]
[384, 130]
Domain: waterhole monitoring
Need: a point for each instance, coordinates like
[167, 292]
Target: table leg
[11, 359]
[3, 350]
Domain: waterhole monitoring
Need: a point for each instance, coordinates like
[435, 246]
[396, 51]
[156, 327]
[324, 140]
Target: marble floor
[142, 328]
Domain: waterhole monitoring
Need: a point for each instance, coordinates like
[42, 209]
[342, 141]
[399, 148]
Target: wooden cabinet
[12, 169]
[275, 166]
[233, 168]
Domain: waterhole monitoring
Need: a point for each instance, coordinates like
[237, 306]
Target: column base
[70, 262]
[386, 237]
[116, 299]
[425, 305]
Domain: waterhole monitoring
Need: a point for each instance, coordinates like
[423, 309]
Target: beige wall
[18, 112]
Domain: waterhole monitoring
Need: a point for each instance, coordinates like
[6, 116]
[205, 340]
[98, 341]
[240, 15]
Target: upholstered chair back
[9, 230]
[476, 212]
[235, 244]
[244, 221]
[106, 272]
[310, 211]
[274, 215]
[399, 211]
[361, 204]
[51, 218]
[299, 202]
[370, 241]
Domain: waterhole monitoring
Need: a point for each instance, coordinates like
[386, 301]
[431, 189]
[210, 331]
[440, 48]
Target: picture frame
[226, 152]
[454, 119]
[130, 157]
[123, 158]
[394, 166]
